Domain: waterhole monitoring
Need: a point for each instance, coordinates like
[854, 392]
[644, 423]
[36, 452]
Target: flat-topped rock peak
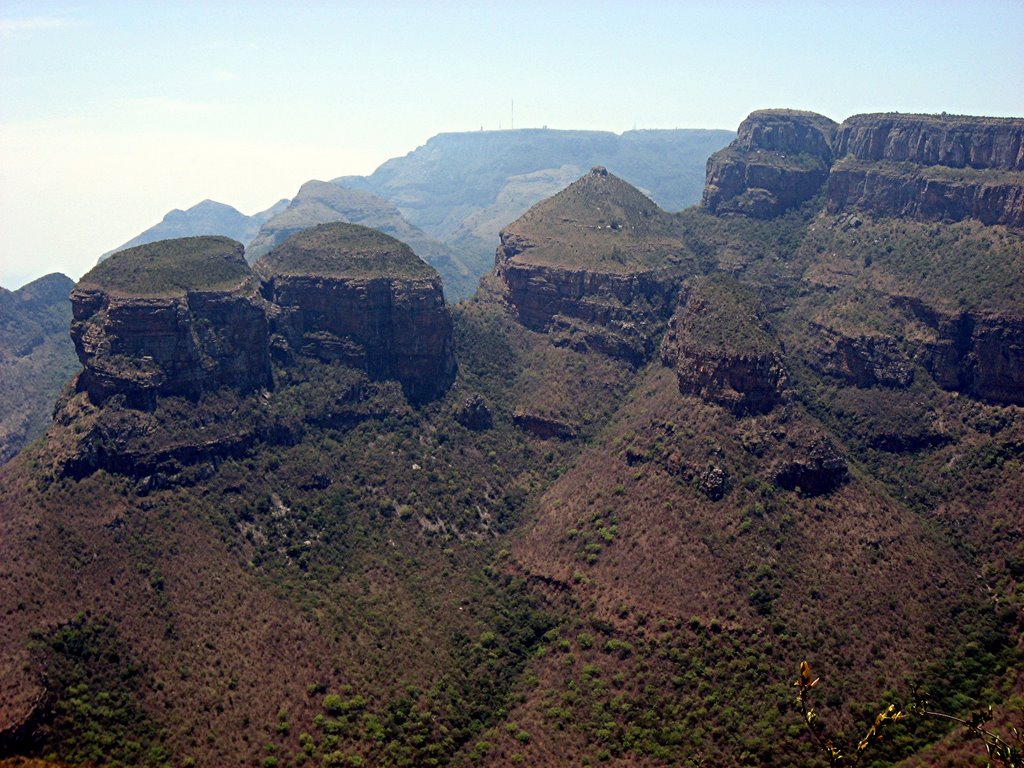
[171, 268]
[175, 317]
[779, 159]
[349, 293]
[344, 250]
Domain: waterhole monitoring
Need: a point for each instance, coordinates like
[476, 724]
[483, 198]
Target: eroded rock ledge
[597, 266]
[721, 349]
[178, 317]
[923, 167]
[348, 293]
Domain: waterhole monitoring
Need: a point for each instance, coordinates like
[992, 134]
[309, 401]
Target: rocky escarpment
[597, 266]
[930, 168]
[779, 159]
[980, 354]
[177, 317]
[721, 349]
[349, 293]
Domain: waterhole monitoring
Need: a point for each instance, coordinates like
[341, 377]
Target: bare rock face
[722, 350]
[980, 354]
[779, 159]
[862, 360]
[349, 293]
[953, 141]
[819, 469]
[597, 266]
[930, 168]
[176, 317]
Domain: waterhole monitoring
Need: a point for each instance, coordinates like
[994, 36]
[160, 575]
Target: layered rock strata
[980, 354]
[349, 293]
[176, 317]
[930, 168]
[721, 350]
[779, 159]
[598, 266]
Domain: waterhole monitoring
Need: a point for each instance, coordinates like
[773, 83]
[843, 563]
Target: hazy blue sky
[111, 114]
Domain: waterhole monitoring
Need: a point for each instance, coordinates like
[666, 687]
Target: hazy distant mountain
[206, 218]
[36, 358]
[462, 188]
[321, 202]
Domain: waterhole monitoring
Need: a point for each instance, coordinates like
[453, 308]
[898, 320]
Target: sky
[114, 113]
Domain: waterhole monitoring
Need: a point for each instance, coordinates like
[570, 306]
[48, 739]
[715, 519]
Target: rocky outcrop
[930, 168]
[178, 317]
[474, 414]
[862, 360]
[979, 354]
[349, 293]
[597, 266]
[954, 141]
[544, 427]
[780, 158]
[721, 348]
[927, 194]
[819, 469]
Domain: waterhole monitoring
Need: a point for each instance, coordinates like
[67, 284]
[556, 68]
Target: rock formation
[923, 167]
[817, 470]
[598, 266]
[349, 293]
[779, 159]
[720, 348]
[177, 317]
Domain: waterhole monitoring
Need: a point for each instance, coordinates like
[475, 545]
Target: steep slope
[570, 556]
[599, 264]
[350, 293]
[36, 358]
[779, 159]
[206, 218]
[320, 202]
[930, 168]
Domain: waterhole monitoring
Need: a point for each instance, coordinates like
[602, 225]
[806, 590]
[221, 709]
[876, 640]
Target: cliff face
[923, 167]
[930, 168]
[155, 336]
[779, 159]
[954, 141]
[980, 354]
[721, 350]
[597, 266]
[351, 294]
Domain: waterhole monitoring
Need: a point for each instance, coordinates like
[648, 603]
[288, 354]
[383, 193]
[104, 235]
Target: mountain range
[308, 511]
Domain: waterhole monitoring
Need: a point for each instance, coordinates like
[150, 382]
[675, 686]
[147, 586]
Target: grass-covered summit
[172, 267]
[340, 249]
[598, 222]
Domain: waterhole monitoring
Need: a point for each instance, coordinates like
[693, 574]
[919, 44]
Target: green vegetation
[345, 250]
[172, 268]
[97, 690]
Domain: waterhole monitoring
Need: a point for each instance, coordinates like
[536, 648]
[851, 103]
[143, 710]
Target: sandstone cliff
[598, 266]
[779, 159]
[720, 347]
[348, 293]
[930, 168]
[177, 317]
